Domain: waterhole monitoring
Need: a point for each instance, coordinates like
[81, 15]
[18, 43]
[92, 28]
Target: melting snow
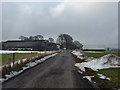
[31, 64]
[80, 72]
[88, 77]
[81, 67]
[78, 54]
[103, 77]
[107, 61]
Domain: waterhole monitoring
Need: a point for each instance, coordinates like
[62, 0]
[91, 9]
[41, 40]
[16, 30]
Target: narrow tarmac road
[56, 72]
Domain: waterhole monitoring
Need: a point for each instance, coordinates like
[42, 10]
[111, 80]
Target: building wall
[33, 45]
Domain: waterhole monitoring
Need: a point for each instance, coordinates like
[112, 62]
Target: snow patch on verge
[78, 54]
[28, 65]
[103, 77]
[81, 67]
[88, 77]
[80, 71]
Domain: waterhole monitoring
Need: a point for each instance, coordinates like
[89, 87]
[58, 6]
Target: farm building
[96, 48]
[29, 45]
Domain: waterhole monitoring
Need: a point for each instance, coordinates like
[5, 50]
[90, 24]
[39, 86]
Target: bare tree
[31, 38]
[51, 40]
[36, 38]
[65, 40]
[40, 37]
[23, 38]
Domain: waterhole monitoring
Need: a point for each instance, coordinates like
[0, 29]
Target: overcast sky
[91, 23]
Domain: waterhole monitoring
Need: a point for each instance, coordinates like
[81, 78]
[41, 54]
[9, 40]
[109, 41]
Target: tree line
[64, 40]
[37, 37]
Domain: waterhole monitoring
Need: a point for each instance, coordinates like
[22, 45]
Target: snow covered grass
[105, 68]
[106, 61]
[28, 65]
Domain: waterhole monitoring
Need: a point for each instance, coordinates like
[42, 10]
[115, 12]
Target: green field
[97, 55]
[112, 73]
[7, 58]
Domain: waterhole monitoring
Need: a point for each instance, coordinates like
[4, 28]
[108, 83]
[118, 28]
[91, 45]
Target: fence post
[13, 59]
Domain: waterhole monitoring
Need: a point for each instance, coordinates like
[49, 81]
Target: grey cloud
[96, 24]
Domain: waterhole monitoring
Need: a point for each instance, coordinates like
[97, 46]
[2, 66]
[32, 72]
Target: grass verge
[112, 73]
[8, 58]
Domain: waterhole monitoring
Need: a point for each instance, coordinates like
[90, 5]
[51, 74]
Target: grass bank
[8, 57]
[112, 73]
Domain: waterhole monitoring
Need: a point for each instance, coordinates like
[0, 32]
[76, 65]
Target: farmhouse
[29, 45]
